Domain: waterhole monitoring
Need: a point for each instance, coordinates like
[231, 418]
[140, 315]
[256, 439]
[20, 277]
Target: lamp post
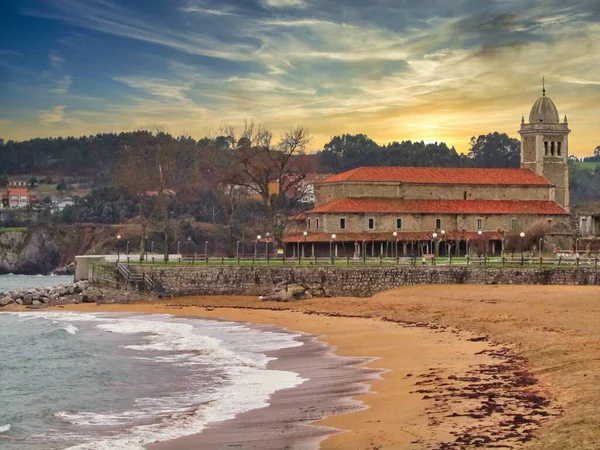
[146, 247]
[434, 244]
[267, 235]
[332, 249]
[443, 239]
[118, 250]
[152, 247]
[237, 249]
[189, 241]
[127, 247]
[395, 234]
[540, 247]
[258, 238]
[178, 246]
[206, 251]
[522, 235]
[305, 234]
[479, 234]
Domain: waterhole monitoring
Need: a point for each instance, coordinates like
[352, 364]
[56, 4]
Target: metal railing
[426, 260]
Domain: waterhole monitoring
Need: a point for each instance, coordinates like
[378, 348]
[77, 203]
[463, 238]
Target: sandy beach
[465, 366]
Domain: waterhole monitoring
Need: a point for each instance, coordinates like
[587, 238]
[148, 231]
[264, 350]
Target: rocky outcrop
[43, 249]
[30, 252]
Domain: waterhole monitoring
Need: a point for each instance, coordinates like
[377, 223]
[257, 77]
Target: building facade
[413, 211]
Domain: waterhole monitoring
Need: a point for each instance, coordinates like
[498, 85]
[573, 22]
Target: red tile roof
[396, 205]
[403, 236]
[18, 191]
[440, 175]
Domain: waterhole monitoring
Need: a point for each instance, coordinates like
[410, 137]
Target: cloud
[210, 12]
[51, 116]
[62, 85]
[56, 61]
[286, 3]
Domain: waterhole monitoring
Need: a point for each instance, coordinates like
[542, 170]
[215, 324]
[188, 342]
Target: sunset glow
[394, 70]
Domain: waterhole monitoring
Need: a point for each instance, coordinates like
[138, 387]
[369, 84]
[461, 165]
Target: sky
[432, 70]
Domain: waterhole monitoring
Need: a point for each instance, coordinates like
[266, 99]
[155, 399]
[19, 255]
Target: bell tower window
[559, 148]
[552, 148]
[546, 148]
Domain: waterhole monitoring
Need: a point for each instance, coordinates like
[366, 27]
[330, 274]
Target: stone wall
[327, 192]
[349, 281]
[358, 223]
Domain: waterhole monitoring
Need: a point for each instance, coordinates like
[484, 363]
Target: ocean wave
[236, 350]
[4, 428]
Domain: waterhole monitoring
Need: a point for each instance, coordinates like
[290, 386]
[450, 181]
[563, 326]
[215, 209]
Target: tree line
[240, 180]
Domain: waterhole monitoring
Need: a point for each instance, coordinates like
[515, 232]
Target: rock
[62, 292]
[296, 291]
[6, 301]
[71, 290]
[91, 295]
[19, 301]
[45, 300]
[281, 296]
[27, 299]
[36, 303]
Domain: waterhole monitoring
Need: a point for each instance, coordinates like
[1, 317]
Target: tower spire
[544, 86]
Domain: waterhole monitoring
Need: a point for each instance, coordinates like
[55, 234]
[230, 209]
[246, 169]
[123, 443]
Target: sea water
[11, 282]
[120, 381]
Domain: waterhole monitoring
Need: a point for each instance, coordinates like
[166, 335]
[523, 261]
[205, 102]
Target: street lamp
[331, 249]
[178, 246]
[267, 235]
[395, 234]
[522, 236]
[479, 234]
[443, 238]
[540, 247]
[434, 243]
[258, 238]
[152, 247]
[206, 251]
[118, 250]
[237, 249]
[127, 247]
[305, 234]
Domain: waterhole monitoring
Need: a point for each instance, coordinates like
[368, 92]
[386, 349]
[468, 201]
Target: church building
[414, 211]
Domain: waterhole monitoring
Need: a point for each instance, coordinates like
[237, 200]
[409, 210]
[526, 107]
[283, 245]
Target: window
[465, 195]
[399, 224]
[308, 224]
[438, 224]
[552, 148]
[316, 224]
[559, 148]
[546, 148]
[371, 223]
[513, 224]
[342, 223]
[480, 224]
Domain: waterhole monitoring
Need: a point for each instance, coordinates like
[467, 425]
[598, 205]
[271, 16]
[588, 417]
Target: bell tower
[545, 146]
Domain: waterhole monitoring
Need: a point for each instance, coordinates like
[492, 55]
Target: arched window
[559, 148]
[552, 148]
[546, 148]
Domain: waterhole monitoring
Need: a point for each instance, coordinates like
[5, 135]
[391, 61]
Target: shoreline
[287, 421]
[437, 381]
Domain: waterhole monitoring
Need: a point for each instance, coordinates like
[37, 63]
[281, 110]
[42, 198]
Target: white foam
[4, 428]
[70, 328]
[236, 350]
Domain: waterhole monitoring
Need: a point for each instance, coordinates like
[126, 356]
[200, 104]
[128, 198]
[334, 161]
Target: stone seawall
[348, 281]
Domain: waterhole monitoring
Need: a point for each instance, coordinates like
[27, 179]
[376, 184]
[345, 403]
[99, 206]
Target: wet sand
[466, 367]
